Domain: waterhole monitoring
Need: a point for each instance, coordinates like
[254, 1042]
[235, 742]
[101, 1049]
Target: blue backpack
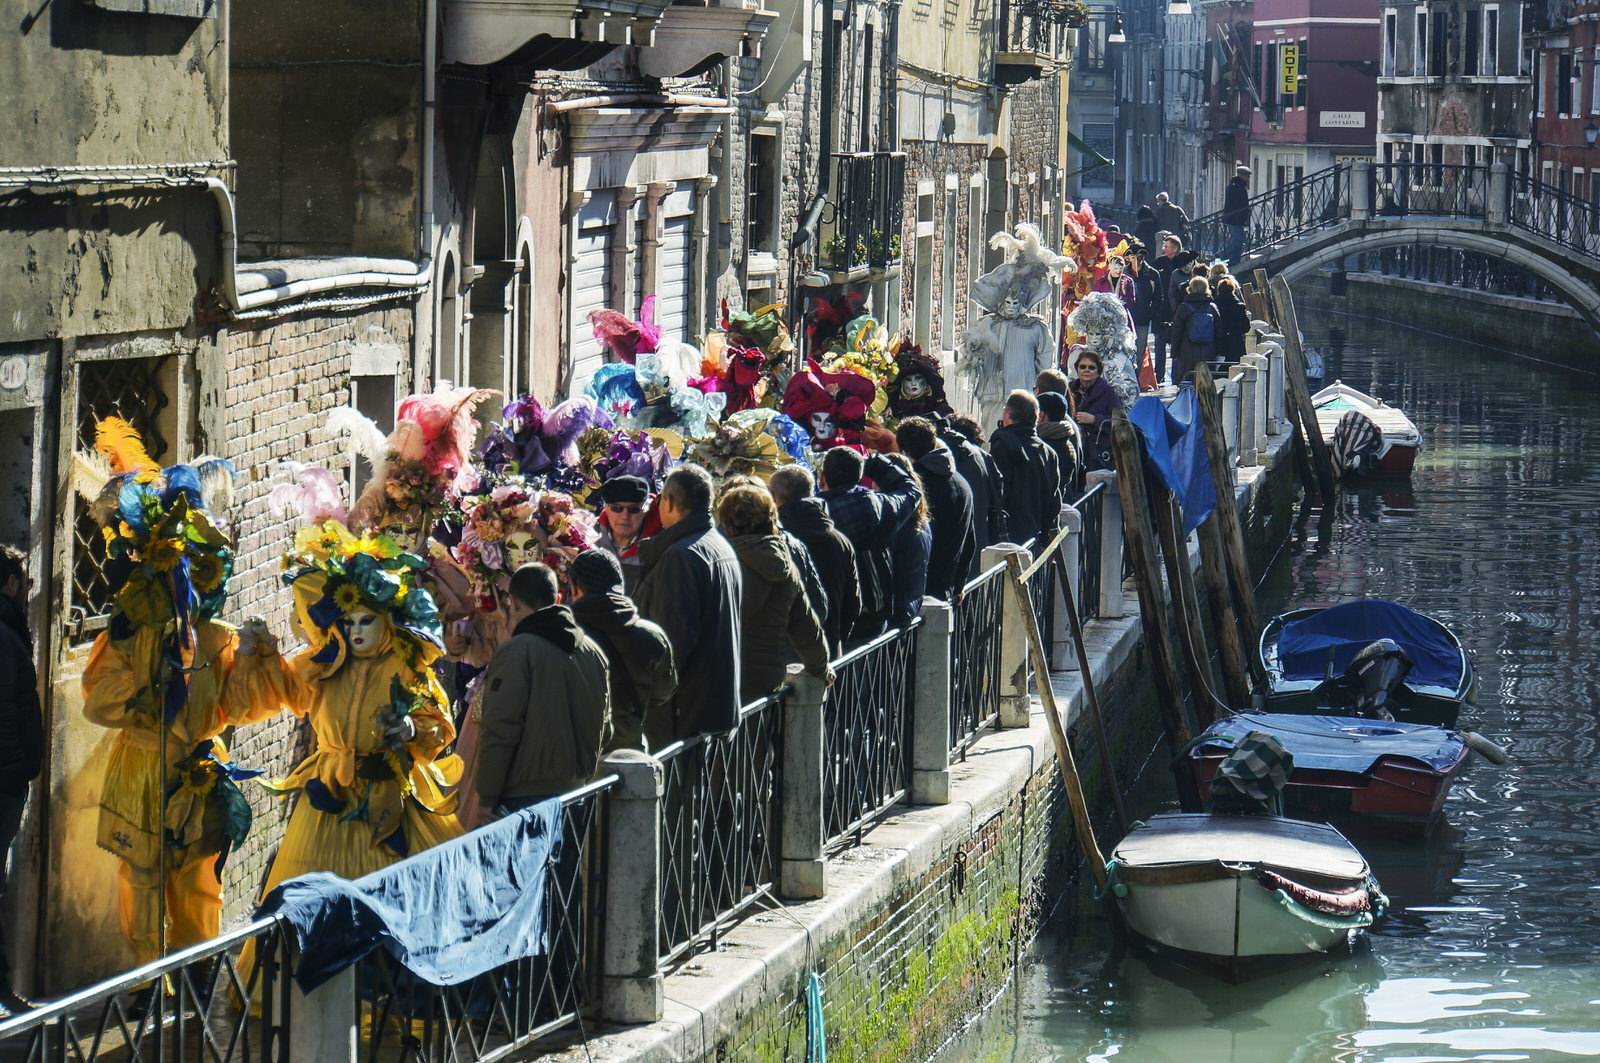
[1203, 324]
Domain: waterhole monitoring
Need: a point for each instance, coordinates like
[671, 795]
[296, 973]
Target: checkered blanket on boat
[1252, 777]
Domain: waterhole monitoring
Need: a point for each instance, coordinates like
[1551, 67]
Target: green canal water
[1492, 948]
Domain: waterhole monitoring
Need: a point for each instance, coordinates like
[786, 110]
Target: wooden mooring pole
[1214, 576]
[1184, 616]
[1294, 365]
[1222, 478]
[1091, 697]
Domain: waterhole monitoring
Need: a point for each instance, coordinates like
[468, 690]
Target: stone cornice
[691, 33]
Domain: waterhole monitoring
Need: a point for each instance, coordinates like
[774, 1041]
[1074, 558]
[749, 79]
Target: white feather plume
[1027, 248]
[364, 436]
[91, 471]
[216, 484]
[313, 493]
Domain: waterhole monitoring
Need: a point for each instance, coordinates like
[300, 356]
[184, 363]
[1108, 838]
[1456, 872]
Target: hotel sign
[1342, 119]
[1290, 62]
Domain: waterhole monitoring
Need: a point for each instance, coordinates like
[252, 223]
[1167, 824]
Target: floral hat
[168, 557]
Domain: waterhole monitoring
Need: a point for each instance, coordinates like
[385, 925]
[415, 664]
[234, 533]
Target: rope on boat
[1357, 921]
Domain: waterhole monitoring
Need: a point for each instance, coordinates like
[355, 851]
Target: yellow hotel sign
[1289, 61]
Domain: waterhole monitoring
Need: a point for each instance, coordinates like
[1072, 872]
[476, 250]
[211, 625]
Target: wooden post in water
[1195, 658]
[1147, 575]
[1213, 574]
[1222, 477]
[1260, 278]
[1294, 365]
[1091, 697]
[1052, 715]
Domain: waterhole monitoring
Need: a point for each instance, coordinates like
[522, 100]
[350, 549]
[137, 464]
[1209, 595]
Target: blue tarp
[1348, 628]
[1176, 443]
[447, 914]
[1340, 743]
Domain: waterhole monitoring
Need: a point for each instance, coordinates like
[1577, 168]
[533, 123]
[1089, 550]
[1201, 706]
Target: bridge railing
[1434, 189]
[1555, 214]
[1283, 213]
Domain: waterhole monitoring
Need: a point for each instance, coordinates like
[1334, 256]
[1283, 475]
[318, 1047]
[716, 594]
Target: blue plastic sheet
[1342, 743]
[447, 915]
[1348, 628]
[1176, 443]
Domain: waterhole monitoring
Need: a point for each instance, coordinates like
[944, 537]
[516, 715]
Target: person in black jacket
[22, 752]
[1194, 341]
[983, 478]
[871, 518]
[1146, 293]
[1236, 213]
[1032, 474]
[643, 674]
[949, 507]
[804, 516]
[1172, 262]
[1058, 429]
[1145, 227]
[1234, 323]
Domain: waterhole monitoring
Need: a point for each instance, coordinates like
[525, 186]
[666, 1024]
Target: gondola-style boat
[1365, 435]
[1367, 657]
[1355, 772]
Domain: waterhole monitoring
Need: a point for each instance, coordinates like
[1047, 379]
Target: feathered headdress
[625, 338]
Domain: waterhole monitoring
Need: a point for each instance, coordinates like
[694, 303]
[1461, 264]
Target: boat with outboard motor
[1368, 657]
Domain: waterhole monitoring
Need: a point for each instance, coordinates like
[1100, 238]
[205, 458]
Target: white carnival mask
[913, 386]
[822, 425]
[521, 548]
[366, 629]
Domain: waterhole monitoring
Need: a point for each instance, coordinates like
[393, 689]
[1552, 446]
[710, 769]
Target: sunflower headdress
[168, 556]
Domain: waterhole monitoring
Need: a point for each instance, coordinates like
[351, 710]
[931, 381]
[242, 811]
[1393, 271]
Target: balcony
[695, 35]
[479, 32]
[862, 241]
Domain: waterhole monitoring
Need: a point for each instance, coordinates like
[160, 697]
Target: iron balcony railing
[719, 825]
[975, 657]
[190, 1006]
[1290, 210]
[867, 216]
[495, 1014]
[866, 742]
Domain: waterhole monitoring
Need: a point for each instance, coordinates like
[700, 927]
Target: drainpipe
[807, 230]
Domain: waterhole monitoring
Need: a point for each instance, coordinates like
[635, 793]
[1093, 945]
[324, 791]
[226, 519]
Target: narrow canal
[1492, 949]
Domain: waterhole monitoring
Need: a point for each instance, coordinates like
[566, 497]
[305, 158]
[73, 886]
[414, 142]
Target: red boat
[1348, 769]
[1367, 437]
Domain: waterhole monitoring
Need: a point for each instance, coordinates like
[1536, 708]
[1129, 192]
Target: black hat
[596, 571]
[624, 489]
[1053, 405]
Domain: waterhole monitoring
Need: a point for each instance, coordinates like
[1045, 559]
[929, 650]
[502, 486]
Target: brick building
[1564, 64]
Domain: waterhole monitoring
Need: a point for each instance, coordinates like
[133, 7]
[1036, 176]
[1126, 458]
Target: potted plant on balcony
[890, 251]
[1074, 13]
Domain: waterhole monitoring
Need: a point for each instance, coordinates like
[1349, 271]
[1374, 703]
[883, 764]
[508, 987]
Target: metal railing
[719, 825]
[1433, 189]
[1293, 209]
[190, 1006]
[868, 206]
[1569, 220]
[975, 657]
[1466, 270]
[1091, 507]
[494, 1014]
[866, 738]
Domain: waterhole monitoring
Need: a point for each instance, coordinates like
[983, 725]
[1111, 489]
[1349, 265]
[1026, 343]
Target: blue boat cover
[1350, 627]
[447, 914]
[1341, 743]
[1176, 443]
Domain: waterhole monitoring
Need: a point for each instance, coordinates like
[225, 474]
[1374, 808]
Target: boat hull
[1232, 919]
[1398, 793]
[1399, 438]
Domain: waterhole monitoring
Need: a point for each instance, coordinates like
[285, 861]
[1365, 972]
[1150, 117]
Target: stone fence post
[1014, 668]
[1247, 413]
[931, 711]
[1111, 605]
[1230, 413]
[322, 1023]
[633, 990]
[802, 874]
[1278, 394]
[1062, 657]
[1497, 209]
[1361, 190]
[1258, 412]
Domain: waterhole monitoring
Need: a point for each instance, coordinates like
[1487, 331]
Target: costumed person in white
[1008, 347]
[1103, 322]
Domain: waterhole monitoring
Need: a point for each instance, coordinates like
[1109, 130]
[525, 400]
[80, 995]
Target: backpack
[1203, 325]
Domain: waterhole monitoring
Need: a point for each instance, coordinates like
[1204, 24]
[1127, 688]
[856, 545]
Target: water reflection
[1490, 950]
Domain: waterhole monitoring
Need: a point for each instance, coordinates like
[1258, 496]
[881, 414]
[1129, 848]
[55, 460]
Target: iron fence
[1091, 508]
[719, 825]
[975, 657]
[1469, 270]
[488, 1017]
[1557, 215]
[193, 1005]
[866, 743]
[1312, 202]
[1434, 189]
[868, 207]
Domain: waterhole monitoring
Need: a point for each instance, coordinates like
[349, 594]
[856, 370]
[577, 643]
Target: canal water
[1492, 948]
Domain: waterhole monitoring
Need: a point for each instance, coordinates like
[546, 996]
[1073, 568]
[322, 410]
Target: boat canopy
[1348, 628]
[1340, 743]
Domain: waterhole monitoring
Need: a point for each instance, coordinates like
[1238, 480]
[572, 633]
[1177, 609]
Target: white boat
[1389, 445]
[1231, 889]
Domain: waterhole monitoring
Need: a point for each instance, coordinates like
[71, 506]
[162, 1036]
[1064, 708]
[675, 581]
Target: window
[1564, 84]
[1388, 44]
[1419, 56]
[1594, 81]
[1488, 63]
[1256, 73]
[1300, 84]
[1473, 45]
[1439, 46]
[1535, 63]
[1436, 156]
[1594, 202]
[1469, 155]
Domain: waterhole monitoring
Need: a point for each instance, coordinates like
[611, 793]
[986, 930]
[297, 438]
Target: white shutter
[591, 287]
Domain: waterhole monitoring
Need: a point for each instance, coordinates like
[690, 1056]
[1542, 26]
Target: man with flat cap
[627, 500]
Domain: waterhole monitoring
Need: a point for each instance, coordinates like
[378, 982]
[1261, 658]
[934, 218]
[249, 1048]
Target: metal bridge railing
[1548, 211]
[1314, 201]
[1091, 507]
[866, 740]
[719, 825]
[494, 1014]
[190, 1006]
[975, 657]
[1435, 190]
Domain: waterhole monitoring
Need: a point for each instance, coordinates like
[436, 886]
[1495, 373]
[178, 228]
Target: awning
[1093, 160]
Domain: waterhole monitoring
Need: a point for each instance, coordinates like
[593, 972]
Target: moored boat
[1326, 661]
[1365, 435]
[1353, 771]
[1230, 891]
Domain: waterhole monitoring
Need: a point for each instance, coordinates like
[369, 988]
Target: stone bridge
[1362, 206]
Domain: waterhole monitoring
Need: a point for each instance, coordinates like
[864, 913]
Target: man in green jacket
[546, 701]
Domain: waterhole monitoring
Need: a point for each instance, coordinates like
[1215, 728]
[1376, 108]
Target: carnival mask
[913, 386]
[366, 631]
[822, 425]
[521, 548]
[1012, 306]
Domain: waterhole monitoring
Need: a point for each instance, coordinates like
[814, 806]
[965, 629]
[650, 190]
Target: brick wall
[282, 379]
[928, 160]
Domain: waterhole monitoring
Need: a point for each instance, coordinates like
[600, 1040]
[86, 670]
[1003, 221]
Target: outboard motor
[1374, 678]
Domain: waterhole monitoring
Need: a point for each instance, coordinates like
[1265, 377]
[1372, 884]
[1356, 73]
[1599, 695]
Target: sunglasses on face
[621, 507]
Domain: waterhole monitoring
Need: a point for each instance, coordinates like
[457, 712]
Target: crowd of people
[500, 606]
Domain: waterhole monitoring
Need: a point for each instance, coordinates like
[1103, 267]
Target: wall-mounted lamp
[1179, 7]
[1590, 133]
[1116, 36]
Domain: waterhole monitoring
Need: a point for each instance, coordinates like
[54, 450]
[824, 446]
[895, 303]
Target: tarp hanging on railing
[447, 914]
[1176, 443]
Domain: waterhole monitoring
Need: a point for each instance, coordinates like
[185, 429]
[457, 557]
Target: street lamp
[1116, 36]
[1590, 133]
[1179, 7]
